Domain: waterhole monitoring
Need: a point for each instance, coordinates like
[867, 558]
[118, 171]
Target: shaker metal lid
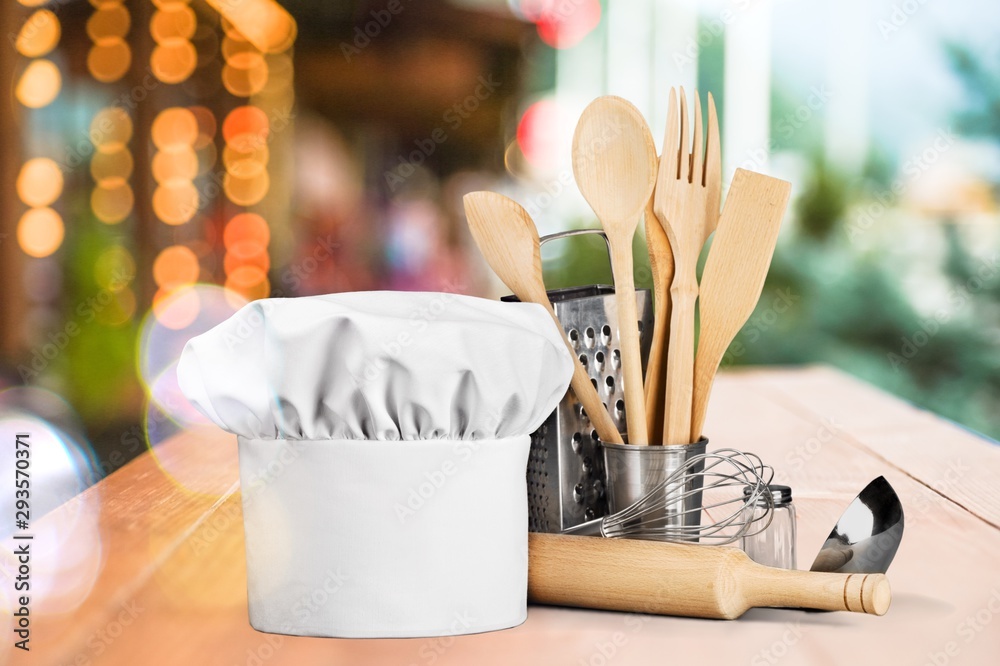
[780, 494]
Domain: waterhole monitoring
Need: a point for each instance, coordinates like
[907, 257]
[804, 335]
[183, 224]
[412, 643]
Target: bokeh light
[160, 345]
[250, 282]
[114, 269]
[173, 21]
[175, 126]
[176, 201]
[245, 82]
[109, 59]
[246, 128]
[40, 182]
[110, 19]
[111, 129]
[246, 227]
[538, 133]
[39, 85]
[175, 266]
[40, 232]
[176, 309]
[39, 34]
[112, 202]
[111, 167]
[173, 60]
[176, 161]
[264, 23]
[246, 191]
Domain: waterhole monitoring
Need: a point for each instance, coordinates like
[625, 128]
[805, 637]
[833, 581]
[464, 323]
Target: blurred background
[165, 161]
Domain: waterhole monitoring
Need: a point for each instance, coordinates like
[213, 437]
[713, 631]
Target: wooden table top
[151, 569]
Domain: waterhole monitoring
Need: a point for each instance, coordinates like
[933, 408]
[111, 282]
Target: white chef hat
[383, 439]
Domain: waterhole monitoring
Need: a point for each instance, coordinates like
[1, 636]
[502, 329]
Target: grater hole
[616, 358]
[594, 382]
[588, 336]
[593, 435]
[583, 360]
[574, 338]
[610, 382]
[599, 358]
[578, 493]
[577, 442]
[620, 405]
[640, 327]
[606, 334]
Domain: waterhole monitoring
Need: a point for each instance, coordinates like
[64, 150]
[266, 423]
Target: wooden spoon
[508, 239]
[661, 264]
[614, 161]
[734, 274]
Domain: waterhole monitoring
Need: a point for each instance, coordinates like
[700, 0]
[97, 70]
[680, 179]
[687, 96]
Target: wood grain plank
[140, 515]
[946, 585]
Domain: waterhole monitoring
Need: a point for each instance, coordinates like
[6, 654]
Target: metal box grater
[565, 466]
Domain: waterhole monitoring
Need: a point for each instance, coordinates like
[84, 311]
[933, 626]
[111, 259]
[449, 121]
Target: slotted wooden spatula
[734, 274]
[508, 239]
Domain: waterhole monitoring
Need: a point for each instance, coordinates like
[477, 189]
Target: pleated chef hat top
[378, 366]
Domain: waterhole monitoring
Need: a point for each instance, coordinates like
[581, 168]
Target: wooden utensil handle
[628, 338]
[690, 581]
[587, 394]
[858, 593]
[680, 365]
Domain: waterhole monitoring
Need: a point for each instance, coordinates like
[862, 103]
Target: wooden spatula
[734, 274]
[508, 239]
[614, 161]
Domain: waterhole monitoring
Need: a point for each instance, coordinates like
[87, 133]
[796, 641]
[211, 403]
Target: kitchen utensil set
[616, 168]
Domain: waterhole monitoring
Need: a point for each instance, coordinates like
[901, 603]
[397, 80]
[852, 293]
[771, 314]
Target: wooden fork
[686, 200]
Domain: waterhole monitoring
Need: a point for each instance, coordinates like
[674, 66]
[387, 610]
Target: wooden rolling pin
[690, 581]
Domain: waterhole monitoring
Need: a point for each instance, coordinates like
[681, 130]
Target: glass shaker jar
[774, 546]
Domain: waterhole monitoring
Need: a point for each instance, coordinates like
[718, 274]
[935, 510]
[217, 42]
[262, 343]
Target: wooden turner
[691, 581]
[734, 274]
[508, 239]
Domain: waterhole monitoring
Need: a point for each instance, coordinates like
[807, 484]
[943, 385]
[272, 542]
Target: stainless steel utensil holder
[566, 479]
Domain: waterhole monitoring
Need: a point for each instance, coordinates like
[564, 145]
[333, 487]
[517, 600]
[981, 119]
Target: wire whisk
[729, 486]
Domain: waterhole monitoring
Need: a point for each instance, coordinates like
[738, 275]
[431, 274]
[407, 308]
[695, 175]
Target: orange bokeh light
[173, 22]
[173, 60]
[40, 182]
[110, 19]
[176, 309]
[244, 82]
[111, 167]
[178, 161]
[246, 191]
[109, 59]
[112, 201]
[246, 227]
[40, 232]
[247, 253]
[243, 122]
[249, 281]
[39, 34]
[39, 85]
[264, 23]
[176, 201]
[175, 126]
[175, 266]
[111, 129]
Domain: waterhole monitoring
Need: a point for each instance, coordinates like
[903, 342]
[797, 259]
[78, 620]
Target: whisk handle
[590, 528]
